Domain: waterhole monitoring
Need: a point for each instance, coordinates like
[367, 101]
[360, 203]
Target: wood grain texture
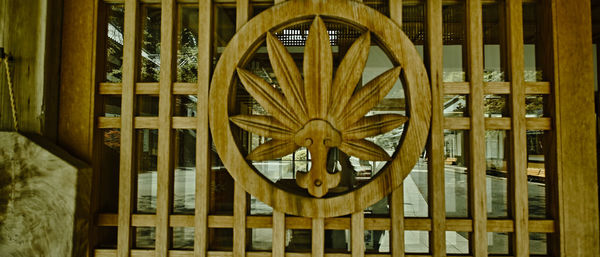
[203, 142]
[396, 198]
[239, 221]
[126, 170]
[396, 223]
[338, 223]
[318, 237]
[243, 11]
[357, 234]
[164, 179]
[477, 165]
[278, 243]
[576, 162]
[518, 183]
[76, 94]
[414, 73]
[436, 167]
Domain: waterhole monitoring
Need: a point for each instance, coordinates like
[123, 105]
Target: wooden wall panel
[571, 166]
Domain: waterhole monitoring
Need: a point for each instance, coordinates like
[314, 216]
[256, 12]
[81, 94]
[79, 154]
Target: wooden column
[165, 162]
[477, 183]
[239, 195]
[575, 163]
[127, 173]
[436, 186]
[518, 138]
[203, 142]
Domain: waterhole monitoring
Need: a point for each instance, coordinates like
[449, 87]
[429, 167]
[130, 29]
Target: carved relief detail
[320, 111]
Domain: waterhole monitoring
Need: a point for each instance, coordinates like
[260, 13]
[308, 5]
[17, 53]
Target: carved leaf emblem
[318, 112]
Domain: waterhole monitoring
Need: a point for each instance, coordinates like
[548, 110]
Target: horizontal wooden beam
[148, 88]
[148, 122]
[342, 223]
[463, 123]
[497, 88]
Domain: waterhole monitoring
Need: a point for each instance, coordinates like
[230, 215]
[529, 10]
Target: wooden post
[575, 162]
[477, 183]
[436, 185]
[357, 234]
[165, 162]
[396, 199]
[127, 173]
[518, 138]
[239, 195]
[203, 142]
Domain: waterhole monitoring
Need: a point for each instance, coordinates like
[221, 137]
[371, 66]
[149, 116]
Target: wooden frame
[572, 222]
[281, 200]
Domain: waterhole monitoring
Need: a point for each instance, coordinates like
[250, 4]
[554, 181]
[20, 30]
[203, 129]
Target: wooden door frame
[572, 107]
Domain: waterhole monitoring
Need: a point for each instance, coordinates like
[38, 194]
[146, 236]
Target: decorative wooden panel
[306, 109]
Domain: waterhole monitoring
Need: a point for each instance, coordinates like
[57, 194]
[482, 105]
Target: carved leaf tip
[262, 125]
[318, 70]
[364, 150]
[372, 126]
[288, 75]
[269, 98]
[348, 75]
[369, 96]
[272, 149]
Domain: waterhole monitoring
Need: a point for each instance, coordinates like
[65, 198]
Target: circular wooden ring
[401, 51]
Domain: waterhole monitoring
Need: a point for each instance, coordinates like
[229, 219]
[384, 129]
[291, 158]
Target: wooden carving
[321, 111]
[318, 109]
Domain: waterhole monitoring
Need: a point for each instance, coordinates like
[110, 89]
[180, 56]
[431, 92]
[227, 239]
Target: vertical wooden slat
[126, 176]
[239, 194]
[397, 223]
[278, 247]
[518, 171]
[165, 163]
[239, 221]
[357, 234]
[242, 13]
[203, 143]
[396, 11]
[437, 204]
[396, 199]
[101, 18]
[278, 243]
[318, 237]
[477, 183]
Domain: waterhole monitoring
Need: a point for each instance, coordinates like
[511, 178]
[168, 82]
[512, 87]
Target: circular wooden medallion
[317, 110]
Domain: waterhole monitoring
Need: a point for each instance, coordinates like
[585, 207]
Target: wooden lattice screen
[148, 132]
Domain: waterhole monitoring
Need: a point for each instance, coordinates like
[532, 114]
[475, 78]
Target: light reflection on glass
[456, 174]
[114, 43]
[184, 159]
[146, 152]
[150, 44]
[497, 152]
[187, 45]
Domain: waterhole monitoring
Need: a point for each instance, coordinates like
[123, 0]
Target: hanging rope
[13, 106]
